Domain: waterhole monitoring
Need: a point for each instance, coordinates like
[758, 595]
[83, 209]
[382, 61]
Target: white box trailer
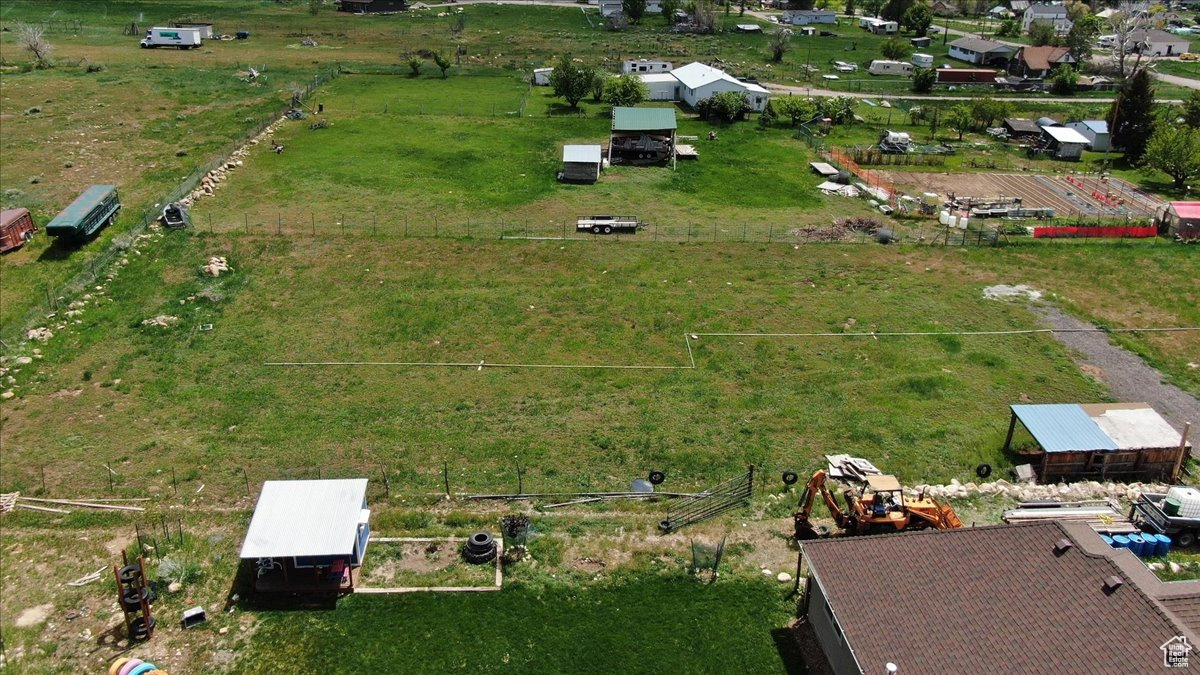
[880, 67]
[922, 60]
[541, 76]
[183, 38]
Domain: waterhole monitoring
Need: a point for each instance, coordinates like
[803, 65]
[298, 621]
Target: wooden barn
[642, 135]
[308, 536]
[16, 228]
[1102, 441]
[581, 164]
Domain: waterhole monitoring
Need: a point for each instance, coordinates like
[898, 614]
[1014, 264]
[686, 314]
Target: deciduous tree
[895, 49]
[1175, 150]
[634, 9]
[33, 40]
[1041, 33]
[571, 81]
[959, 119]
[781, 42]
[625, 90]
[918, 18]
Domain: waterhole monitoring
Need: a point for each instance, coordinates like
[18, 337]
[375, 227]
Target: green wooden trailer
[92, 210]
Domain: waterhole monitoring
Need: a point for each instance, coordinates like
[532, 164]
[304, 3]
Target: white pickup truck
[183, 38]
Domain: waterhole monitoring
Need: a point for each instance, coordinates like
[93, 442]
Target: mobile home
[881, 67]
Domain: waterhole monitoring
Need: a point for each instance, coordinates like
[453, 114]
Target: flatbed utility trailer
[1147, 513]
[92, 210]
[607, 224]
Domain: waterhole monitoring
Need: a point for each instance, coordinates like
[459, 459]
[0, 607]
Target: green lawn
[668, 624]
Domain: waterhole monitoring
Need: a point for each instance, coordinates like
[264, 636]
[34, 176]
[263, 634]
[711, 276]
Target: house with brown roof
[1047, 597]
[1040, 61]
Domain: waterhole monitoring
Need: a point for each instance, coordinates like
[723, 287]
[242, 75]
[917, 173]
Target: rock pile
[1024, 492]
[162, 321]
[215, 266]
[213, 179]
[39, 334]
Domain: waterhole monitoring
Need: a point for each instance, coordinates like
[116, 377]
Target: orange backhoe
[878, 508]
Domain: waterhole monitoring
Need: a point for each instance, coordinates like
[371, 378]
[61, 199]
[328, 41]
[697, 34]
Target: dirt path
[1127, 376]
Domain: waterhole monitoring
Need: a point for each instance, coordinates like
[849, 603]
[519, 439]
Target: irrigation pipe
[688, 337]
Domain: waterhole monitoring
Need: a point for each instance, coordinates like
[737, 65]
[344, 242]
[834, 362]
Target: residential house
[1094, 83]
[1055, 15]
[1000, 12]
[1019, 6]
[805, 17]
[944, 8]
[1070, 602]
[1039, 61]
[1157, 43]
[308, 535]
[695, 82]
[981, 52]
[1096, 131]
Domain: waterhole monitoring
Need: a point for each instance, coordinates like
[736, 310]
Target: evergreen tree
[1131, 116]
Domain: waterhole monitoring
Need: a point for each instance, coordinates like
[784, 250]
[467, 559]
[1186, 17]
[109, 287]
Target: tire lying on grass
[480, 548]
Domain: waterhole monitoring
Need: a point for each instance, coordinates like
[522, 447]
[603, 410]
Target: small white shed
[541, 76]
[1064, 142]
[581, 163]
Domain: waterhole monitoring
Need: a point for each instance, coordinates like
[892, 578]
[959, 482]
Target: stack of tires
[128, 666]
[480, 548]
[135, 599]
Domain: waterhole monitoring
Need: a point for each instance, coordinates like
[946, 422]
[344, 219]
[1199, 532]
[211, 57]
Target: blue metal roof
[1063, 427]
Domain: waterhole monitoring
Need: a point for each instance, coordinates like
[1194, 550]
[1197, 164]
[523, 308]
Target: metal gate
[728, 495]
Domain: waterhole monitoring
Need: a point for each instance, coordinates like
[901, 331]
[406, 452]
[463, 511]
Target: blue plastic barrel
[1120, 541]
[1163, 547]
[1137, 545]
[1107, 539]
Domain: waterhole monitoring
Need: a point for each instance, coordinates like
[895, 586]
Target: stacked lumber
[845, 467]
[1103, 515]
[13, 500]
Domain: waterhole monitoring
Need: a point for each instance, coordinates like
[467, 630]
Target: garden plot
[1066, 198]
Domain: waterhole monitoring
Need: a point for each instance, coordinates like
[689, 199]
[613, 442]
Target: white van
[880, 67]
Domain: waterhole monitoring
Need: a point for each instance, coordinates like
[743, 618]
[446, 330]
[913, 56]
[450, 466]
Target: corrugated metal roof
[83, 204]
[1062, 427]
[305, 518]
[587, 154]
[1065, 135]
[643, 119]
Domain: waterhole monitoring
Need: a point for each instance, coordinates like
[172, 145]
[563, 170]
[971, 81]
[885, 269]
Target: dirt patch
[412, 557]
[66, 393]
[589, 565]
[33, 616]
[1128, 377]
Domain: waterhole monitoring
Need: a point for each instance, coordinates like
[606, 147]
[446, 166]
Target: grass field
[586, 363]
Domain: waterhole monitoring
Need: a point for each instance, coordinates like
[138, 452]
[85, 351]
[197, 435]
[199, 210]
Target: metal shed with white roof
[308, 534]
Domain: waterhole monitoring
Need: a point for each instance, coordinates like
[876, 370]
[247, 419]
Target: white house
[805, 17]
[1096, 131]
[980, 52]
[645, 66]
[1158, 43]
[1000, 12]
[1055, 15]
[695, 82]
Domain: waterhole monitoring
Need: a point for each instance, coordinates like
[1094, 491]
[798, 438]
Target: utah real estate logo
[1175, 652]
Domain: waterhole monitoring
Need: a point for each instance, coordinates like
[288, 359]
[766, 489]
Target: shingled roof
[1005, 598]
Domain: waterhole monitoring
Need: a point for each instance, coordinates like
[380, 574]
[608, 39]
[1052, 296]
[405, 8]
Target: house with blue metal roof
[1104, 441]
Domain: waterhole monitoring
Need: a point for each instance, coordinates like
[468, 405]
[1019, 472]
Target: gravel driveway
[1127, 376]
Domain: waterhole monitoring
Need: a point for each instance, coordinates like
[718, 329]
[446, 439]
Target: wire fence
[94, 267]
[911, 230]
